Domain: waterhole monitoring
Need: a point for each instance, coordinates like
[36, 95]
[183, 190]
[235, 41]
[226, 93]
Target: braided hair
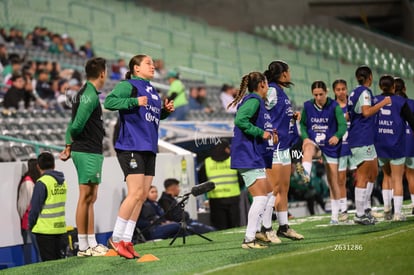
[249, 82]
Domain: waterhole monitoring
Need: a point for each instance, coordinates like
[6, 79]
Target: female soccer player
[400, 90]
[361, 140]
[284, 120]
[391, 133]
[340, 89]
[253, 133]
[140, 111]
[322, 126]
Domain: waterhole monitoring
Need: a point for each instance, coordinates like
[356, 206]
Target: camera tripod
[183, 224]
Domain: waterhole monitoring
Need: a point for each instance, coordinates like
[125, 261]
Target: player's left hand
[169, 105]
[333, 141]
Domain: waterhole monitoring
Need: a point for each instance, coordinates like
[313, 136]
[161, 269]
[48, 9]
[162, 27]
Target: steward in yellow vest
[47, 213]
[224, 200]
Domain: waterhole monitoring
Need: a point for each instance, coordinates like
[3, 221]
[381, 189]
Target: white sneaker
[272, 236]
[85, 253]
[99, 250]
[399, 218]
[253, 245]
[343, 217]
[261, 236]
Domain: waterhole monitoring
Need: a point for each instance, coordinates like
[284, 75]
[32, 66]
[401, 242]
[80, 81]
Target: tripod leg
[198, 234]
[182, 231]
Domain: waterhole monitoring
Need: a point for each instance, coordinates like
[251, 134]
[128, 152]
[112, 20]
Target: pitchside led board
[110, 195]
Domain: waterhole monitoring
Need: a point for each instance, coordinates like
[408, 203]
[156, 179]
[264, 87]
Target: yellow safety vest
[224, 177]
[51, 219]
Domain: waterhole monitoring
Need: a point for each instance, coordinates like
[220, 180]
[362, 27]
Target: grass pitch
[384, 248]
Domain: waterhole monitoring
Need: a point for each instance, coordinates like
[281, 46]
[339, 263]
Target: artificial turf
[384, 248]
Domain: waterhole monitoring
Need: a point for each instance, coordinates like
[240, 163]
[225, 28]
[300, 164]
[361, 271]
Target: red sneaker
[121, 248]
[130, 247]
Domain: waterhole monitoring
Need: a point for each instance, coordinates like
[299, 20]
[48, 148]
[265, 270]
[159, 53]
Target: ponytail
[249, 82]
[128, 75]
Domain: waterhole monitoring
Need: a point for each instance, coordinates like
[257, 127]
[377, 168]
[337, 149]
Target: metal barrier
[37, 145]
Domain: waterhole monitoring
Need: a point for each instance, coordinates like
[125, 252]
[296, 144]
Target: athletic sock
[119, 229]
[268, 211]
[282, 217]
[412, 199]
[92, 240]
[360, 199]
[83, 242]
[307, 166]
[398, 201]
[387, 197]
[255, 215]
[334, 209]
[343, 204]
[129, 231]
[370, 187]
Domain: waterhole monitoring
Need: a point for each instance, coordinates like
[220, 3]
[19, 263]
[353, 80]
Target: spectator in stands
[3, 36]
[44, 87]
[4, 58]
[30, 96]
[119, 70]
[174, 211]
[224, 200]
[227, 95]
[16, 37]
[63, 99]
[56, 46]
[38, 38]
[14, 98]
[54, 69]
[178, 94]
[28, 40]
[68, 45]
[202, 98]
[152, 222]
[14, 66]
[193, 102]
[24, 196]
[47, 213]
[198, 100]
[160, 71]
[86, 50]
[84, 143]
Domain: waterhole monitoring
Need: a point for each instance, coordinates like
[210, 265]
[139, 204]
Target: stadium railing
[37, 145]
[67, 25]
[92, 10]
[139, 43]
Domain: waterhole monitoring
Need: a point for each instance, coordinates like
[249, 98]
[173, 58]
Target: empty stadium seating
[208, 55]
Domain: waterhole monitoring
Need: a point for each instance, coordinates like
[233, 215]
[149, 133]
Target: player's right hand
[142, 100]
[65, 154]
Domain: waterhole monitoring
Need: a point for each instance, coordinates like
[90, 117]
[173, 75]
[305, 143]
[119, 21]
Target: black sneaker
[364, 220]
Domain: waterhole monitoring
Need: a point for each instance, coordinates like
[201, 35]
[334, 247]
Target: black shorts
[135, 162]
